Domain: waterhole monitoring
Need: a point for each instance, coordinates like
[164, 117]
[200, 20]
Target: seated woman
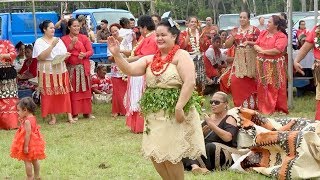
[18, 62]
[100, 83]
[27, 76]
[220, 136]
[214, 64]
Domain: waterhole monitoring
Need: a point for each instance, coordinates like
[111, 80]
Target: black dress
[216, 147]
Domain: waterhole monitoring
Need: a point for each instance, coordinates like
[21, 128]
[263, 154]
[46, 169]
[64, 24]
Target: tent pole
[289, 51]
[34, 19]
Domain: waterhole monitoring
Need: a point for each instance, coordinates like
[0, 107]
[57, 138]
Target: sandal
[200, 171]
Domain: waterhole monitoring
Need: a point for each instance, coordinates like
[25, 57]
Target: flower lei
[157, 64]
[317, 38]
[195, 44]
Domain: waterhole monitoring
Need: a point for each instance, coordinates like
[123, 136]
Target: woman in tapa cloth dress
[146, 46]
[242, 81]
[312, 41]
[54, 82]
[170, 138]
[271, 67]
[189, 40]
[8, 86]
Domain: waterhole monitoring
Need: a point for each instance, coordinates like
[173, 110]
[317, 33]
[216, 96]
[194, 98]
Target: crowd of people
[248, 62]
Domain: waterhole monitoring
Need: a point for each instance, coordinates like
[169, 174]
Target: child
[28, 144]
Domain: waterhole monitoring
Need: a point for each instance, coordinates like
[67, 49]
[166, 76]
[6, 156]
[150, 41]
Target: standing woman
[136, 84]
[170, 133]
[8, 86]
[118, 79]
[190, 41]
[53, 78]
[312, 42]
[78, 64]
[271, 67]
[242, 77]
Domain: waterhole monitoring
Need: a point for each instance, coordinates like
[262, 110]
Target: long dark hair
[70, 22]
[172, 29]
[280, 23]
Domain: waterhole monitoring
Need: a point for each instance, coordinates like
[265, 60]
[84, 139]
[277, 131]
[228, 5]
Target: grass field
[104, 148]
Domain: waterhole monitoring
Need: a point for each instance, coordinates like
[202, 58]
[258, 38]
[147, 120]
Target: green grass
[76, 151]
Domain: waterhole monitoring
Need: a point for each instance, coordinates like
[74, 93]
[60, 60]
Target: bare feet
[71, 119]
[196, 170]
[89, 116]
[199, 170]
[115, 115]
[53, 120]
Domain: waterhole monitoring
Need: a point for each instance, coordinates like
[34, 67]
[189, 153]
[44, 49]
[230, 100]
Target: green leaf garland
[156, 99]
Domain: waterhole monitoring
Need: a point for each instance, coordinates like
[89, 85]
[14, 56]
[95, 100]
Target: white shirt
[40, 45]
[127, 35]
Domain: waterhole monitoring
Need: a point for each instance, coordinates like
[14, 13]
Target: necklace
[157, 64]
[194, 42]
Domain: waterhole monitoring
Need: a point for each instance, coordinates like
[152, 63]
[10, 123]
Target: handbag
[101, 98]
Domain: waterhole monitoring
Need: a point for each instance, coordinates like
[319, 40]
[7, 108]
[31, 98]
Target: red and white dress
[242, 76]
[8, 88]
[136, 86]
[54, 83]
[101, 84]
[271, 74]
[120, 87]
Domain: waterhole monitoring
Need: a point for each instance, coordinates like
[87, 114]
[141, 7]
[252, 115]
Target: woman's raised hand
[113, 45]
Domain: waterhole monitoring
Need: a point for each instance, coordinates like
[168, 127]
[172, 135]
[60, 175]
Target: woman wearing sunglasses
[220, 135]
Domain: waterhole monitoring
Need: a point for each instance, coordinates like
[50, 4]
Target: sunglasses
[215, 102]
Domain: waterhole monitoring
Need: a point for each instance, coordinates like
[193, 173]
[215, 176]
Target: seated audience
[220, 135]
[101, 83]
[27, 76]
[18, 62]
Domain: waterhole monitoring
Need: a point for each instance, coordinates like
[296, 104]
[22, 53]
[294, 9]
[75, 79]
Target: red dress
[79, 71]
[36, 145]
[101, 84]
[271, 74]
[29, 65]
[224, 78]
[8, 96]
[208, 65]
[136, 86]
[53, 79]
[242, 78]
[310, 39]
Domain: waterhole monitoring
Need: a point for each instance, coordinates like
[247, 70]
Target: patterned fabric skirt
[81, 91]
[8, 99]
[199, 66]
